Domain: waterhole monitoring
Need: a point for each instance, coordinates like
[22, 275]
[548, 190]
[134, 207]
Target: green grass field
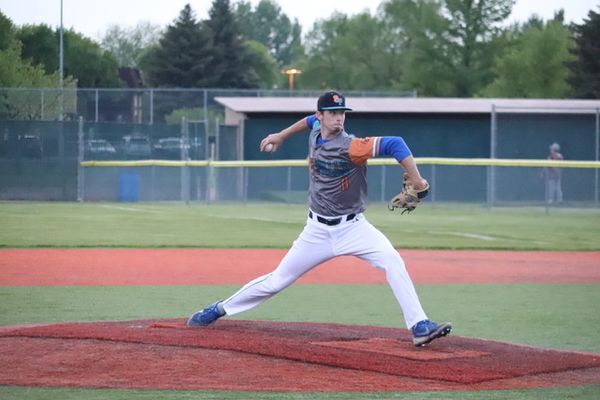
[557, 316]
[236, 225]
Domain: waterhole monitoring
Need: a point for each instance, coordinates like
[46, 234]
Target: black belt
[333, 221]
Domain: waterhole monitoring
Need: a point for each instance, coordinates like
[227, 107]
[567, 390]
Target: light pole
[61, 56]
[61, 63]
[291, 73]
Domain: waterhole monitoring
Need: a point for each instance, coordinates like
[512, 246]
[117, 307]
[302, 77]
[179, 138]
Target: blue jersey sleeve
[310, 121]
[394, 146]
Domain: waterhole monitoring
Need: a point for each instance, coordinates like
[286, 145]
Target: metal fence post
[152, 183]
[210, 176]
[185, 176]
[245, 177]
[206, 108]
[97, 106]
[597, 153]
[80, 170]
[491, 187]
[383, 183]
[151, 106]
[217, 136]
[433, 183]
[42, 103]
[288, 186]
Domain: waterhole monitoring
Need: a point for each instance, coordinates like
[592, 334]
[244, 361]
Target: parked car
[170, 148]
[197, 149]
[137, 147]
[99, 149]
[30, 146]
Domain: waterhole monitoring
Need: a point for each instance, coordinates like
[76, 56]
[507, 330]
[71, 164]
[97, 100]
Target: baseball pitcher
[336, 225]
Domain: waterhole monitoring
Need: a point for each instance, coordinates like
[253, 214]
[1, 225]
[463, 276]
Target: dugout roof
[378, 105]
[434, 127]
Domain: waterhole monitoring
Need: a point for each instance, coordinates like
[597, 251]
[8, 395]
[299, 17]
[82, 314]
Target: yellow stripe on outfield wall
[466, 162]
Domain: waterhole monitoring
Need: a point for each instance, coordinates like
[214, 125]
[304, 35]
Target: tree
[21, 74]
[263, 65]
[229, 49]
[325, 65]
[472, 25]
[418, 32]
[40, 45]
[349, 53]
[184, 55]
[439, 47]
[268, 25]
[84, 59]
[7, 32]
[18, 102]
[209, 53]
[537, 65]
[128, 45]
[586, 67]
[446, 47]
[87, 62]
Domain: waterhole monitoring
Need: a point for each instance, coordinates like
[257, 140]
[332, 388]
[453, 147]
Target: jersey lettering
[331, 168]
[345, 183]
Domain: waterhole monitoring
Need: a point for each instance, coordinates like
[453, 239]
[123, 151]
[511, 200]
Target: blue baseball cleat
[425, 331]
[205, 317]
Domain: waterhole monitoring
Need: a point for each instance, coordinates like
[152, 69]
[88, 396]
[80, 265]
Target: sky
[93, 17]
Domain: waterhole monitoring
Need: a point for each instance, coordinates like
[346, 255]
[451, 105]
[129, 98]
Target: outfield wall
[492, 182]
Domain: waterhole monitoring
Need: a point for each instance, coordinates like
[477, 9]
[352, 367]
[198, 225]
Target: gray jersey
[338, 184]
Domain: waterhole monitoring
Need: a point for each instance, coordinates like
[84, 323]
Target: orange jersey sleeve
[361, 149]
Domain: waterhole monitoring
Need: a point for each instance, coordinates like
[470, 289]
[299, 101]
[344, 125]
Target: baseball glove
[408, 198]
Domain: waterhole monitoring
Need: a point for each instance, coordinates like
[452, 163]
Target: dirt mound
[275, 356]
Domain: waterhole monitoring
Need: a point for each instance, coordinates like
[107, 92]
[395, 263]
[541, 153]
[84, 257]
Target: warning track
[41, 267]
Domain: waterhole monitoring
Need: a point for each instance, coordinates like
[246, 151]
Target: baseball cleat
[205, 317]
[425, 331]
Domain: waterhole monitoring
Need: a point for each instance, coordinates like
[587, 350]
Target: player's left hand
[413, 190]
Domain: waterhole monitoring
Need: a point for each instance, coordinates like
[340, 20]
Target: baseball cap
[332, 100]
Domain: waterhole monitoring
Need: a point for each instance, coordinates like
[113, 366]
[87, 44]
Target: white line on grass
[466, 234]
[260, 219]
[134, 209]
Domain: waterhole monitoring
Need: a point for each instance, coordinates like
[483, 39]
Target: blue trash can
[129, 187]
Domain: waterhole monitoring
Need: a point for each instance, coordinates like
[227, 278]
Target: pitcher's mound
[275, 356]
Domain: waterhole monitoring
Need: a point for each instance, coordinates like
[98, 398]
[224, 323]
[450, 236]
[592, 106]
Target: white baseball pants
[318, 243]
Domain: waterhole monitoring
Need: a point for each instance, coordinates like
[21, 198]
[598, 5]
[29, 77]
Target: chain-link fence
[137, 106]
[287, 181]
[521, 132]
[46, 134]
[41, 130]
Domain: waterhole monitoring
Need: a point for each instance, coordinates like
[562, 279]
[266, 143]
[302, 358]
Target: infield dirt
[275, 356]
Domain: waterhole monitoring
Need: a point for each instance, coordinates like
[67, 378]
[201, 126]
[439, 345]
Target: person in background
[552, 176]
